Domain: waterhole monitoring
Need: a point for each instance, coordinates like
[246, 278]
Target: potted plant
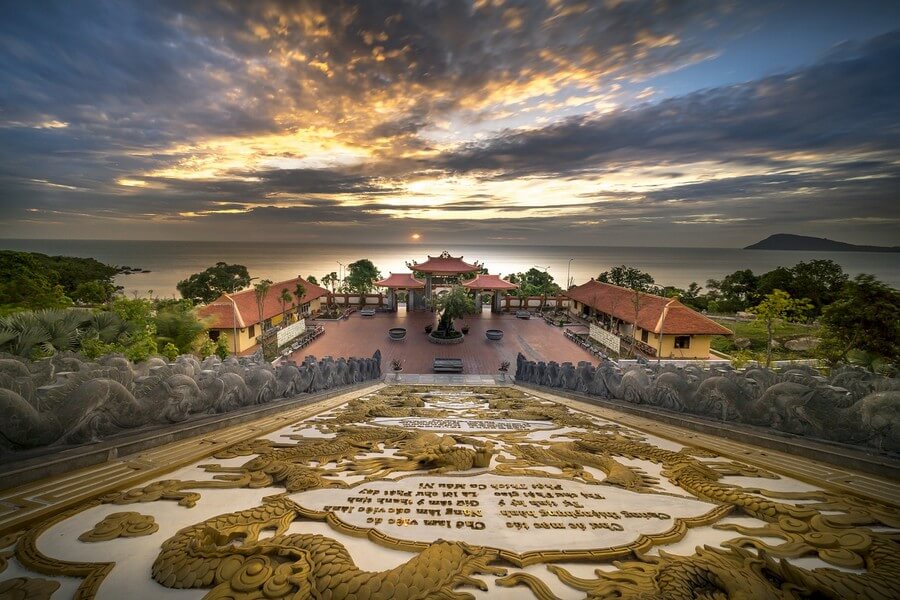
[396, 367]
[455, 304]
[504, 367]
[464, 329]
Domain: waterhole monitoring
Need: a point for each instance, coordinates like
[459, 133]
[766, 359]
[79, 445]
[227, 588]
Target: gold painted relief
[120, 524]
[557, 469]
[27, 588]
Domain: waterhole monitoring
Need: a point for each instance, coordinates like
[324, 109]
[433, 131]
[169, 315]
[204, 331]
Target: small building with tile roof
[490, 283]
[439, 271]
[445, 265]
[658, 326]
[405, 282]
[237, 313]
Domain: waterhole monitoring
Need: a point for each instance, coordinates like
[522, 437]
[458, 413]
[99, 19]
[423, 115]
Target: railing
[311, 333]
[585, 342]
[640, 346]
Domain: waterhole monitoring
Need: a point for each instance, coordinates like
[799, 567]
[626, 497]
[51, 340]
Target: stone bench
[447, 365]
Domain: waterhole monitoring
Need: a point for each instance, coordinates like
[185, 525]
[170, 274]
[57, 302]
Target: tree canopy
[30, 280]
[329, 280]
[536, 282]
[206, 286]
[628, 277]
[776, 307]
[865, 317]
[260, 291]
[454, 304]
[818, 280]
[361, 276]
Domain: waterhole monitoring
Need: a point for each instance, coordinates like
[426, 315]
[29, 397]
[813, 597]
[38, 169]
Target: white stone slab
[463, 425]
[517, 514]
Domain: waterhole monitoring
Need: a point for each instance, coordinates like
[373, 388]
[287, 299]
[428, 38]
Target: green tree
[819, 280]
[628, 277]
[330, 280]
[536, 282]
[222, 350]
[312, 279]
[865, 317]
[522, 294]
[181, 328]
[94, 292]
[140, 343]
[780, 278]
[207, 348]
[361, 276]
[734, 292]
[455, 304]
[260, 291]
[206, 286]
[299, 292]
[108, 327]
[43, 332]
[29, 280]
[775, 308]
[284, 297]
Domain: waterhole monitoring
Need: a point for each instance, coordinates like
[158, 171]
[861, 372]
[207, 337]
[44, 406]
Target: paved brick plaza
[362, 336]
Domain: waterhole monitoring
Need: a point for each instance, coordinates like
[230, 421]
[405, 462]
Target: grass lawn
[756, 333]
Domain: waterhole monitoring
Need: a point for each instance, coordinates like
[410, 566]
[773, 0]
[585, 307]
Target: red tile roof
[489, 282]
[655, 313]
[401, 281]
[221, 313]
[444, 264]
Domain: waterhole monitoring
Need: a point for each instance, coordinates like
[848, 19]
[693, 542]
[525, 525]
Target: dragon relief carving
[120, 524]
[227, 554]
[256, 553]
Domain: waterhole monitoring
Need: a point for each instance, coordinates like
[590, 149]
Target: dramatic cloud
[553, 121]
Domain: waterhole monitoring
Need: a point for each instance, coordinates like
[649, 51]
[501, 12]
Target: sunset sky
[617, 122]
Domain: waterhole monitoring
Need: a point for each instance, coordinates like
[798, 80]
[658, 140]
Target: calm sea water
[170, 262]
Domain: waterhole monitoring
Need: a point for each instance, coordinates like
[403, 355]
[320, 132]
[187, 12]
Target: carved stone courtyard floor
[435, 490]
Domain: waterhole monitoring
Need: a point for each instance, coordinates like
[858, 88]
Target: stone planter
[494, 334]
[445, 341]
[397, 333]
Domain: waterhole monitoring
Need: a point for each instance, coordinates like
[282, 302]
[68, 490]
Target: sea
[168, 262]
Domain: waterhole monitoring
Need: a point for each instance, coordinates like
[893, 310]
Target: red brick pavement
[361, 336]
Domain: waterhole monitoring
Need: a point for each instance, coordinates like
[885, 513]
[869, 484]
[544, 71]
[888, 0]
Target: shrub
[170, 351]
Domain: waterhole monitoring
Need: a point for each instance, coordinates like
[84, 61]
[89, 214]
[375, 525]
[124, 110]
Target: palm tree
[285, 297]
[108, 327]
[47, 331]
[299, 292]
[182, 328]
[21, 334]
[260, 291]
[330, 280]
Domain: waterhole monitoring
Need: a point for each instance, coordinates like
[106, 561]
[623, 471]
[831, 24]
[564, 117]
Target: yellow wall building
[238, 312]
[664, 326]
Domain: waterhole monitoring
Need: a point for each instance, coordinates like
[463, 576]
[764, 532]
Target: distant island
[787, 241]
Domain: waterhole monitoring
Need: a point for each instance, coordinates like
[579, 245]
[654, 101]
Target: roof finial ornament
[445, 254]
